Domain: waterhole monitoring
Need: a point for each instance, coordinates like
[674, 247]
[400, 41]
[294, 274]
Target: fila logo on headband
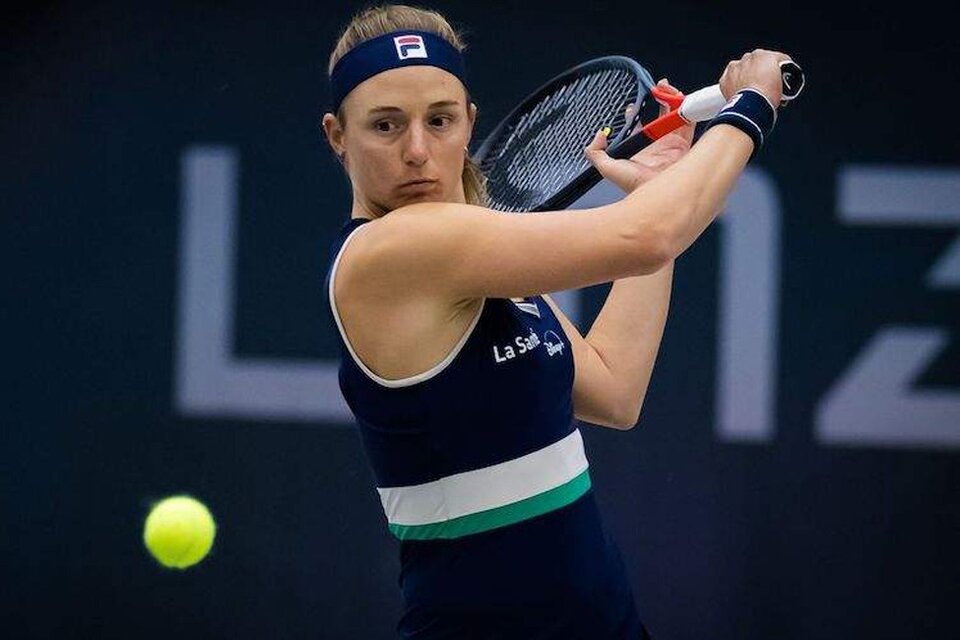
[410, 47]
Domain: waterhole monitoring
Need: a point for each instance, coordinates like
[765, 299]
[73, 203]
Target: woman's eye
[384, 126]
[440, 121]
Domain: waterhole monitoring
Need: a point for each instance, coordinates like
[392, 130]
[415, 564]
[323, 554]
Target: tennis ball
[179, 531]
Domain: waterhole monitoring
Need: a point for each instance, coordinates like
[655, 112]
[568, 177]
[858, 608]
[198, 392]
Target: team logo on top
[526, 307]
[410, 47]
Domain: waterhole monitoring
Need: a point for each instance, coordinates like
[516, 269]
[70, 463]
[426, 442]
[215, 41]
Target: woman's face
[404, 137]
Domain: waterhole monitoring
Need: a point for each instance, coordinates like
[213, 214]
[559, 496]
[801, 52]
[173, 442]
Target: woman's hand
[648, 162]
[758, 69]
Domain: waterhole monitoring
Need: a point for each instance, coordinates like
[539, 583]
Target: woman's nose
[415, 150]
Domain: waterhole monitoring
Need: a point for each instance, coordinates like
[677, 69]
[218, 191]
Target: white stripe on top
[488, 488]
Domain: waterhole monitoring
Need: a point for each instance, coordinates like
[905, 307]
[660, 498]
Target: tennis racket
[533, 160]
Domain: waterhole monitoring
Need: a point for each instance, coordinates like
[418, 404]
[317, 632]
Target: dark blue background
[789, 539]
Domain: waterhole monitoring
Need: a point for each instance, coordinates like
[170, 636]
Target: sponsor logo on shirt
[520, 346]
[553, 343]
[525, 344]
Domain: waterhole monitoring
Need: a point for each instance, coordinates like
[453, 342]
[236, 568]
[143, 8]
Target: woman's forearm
[628, 330]
[677, 205]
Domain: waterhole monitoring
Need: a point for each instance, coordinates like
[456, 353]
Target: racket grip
[704, 104]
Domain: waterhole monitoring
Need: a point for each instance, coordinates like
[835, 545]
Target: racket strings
[543, 150]
[570, 140]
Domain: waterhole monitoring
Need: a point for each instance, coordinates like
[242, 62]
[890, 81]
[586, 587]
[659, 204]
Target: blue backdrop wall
[167, 202]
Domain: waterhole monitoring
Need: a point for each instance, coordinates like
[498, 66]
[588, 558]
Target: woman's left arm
[614, 361]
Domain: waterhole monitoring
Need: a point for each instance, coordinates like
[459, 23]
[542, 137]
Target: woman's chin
[417, 198]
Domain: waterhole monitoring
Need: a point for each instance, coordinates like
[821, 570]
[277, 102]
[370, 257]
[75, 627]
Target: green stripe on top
[525, 509]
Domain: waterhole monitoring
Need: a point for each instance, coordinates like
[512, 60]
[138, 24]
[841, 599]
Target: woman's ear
[334, 134]
[472, 115]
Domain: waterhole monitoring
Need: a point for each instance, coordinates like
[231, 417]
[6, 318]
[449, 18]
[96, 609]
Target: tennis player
[464, 377]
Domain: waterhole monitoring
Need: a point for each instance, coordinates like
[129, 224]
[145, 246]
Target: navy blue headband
[389, 51]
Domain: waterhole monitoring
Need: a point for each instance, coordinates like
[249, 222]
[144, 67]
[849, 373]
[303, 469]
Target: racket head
[537, 149]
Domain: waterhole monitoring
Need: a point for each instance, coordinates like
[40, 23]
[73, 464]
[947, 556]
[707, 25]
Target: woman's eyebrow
[433, 105]
[444, 103]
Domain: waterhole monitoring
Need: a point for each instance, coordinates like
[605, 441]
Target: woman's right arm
[461, 251]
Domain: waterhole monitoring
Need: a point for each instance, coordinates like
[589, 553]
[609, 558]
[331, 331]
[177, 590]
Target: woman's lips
[417, 185]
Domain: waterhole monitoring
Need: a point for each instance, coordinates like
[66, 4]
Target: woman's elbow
[626, 418]
[655, 246]
[621, 417]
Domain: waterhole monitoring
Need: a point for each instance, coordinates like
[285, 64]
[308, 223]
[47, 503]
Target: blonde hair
[378, 20]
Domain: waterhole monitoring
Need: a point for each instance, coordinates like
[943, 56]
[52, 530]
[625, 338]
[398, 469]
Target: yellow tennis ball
[179, 531]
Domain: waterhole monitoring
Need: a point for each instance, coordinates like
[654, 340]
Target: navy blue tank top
[484, 480]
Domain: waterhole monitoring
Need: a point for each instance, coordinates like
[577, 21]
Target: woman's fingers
[599, 141]
[620, 172]
[663, 83]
